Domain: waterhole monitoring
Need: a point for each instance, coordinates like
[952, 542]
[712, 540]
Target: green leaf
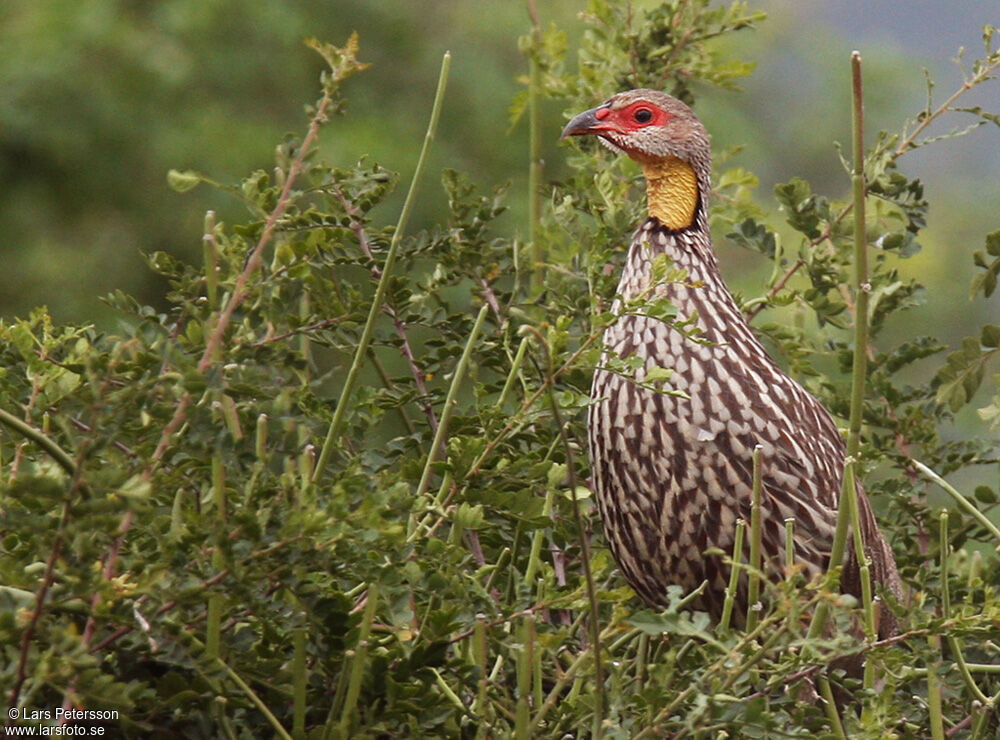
[986, 281]
[985, 494]
[990, 336]
[658, 374]
[803, 210]
[136, 488]
[754, 236]
[960, 378]
[993, 243]
[183, 180]
[685, 624]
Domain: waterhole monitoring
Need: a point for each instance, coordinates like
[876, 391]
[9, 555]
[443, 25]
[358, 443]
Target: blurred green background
[99, 98]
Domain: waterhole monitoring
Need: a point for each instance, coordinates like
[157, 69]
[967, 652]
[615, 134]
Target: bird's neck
[671, 192]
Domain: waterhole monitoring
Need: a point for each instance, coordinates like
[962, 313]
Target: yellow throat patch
[671, 192]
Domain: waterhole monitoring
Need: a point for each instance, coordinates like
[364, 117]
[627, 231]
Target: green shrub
[338, 489]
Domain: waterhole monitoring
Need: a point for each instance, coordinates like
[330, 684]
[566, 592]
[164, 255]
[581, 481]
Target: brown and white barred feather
[672, 475]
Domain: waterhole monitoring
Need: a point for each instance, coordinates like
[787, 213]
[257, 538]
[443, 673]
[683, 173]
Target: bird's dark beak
[585, 123]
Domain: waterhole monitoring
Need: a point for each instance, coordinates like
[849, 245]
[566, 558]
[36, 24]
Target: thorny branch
[398, 324]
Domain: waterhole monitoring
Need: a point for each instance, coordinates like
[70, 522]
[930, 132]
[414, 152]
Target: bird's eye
[643, 115]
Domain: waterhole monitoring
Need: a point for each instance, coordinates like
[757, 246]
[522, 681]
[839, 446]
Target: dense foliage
[338, 489]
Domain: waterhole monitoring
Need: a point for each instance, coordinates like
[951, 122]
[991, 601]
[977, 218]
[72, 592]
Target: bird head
[668, 141]
[647, 125]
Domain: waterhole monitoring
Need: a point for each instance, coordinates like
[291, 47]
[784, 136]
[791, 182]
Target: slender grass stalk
[953, 643]
[213, 625]
[217, 663]
[300, 678]
[535, 155]
[983, 667]
[789, 544]
[963, 503]
[416, 528]
[755, 658]
[305, 345]
[503, 560]
[307, 459]
[753, 589]
[734, 578]
[864, 575]
[213, 621]
[595, 629]
[831, 708]
[449, 693]
[556, 691]
[515, 368]
[219, 486]
[340, 413]
[358, 663]
[480, 657]
[934, 711]
[442, 494]
[39, 438]
[226, 727]
[861, 285]
[255, 700]
[685, 602]
[177, 516]
[260, 439]
[449, 404]
[773, 626]
[860, 359]
[211, 260]
[534, 558]
[979, 723]
[525, 658]
[868, 610]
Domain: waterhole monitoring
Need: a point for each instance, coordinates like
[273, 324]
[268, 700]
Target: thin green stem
[831, 582]
[449, 692]
[449, 404]
[480, 657]
[963, 503]
[300, 679]
[260, 438]
[359, 663]
[864, 566]
[755, 658]
[934, 686]
[534, 558]
[515, 368]
[979, 723]
[734, 578]
[39, 438]
[953, 643]
[789, 545]
[860, 360]
[255, 700]
[524, 674]
[595, 629]
[831, 708]
[211, 260]
[861, 285]
[753, 589]
[340, 413]
[556, 691]
[771, 625]
[193, 643]
[535, 154]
